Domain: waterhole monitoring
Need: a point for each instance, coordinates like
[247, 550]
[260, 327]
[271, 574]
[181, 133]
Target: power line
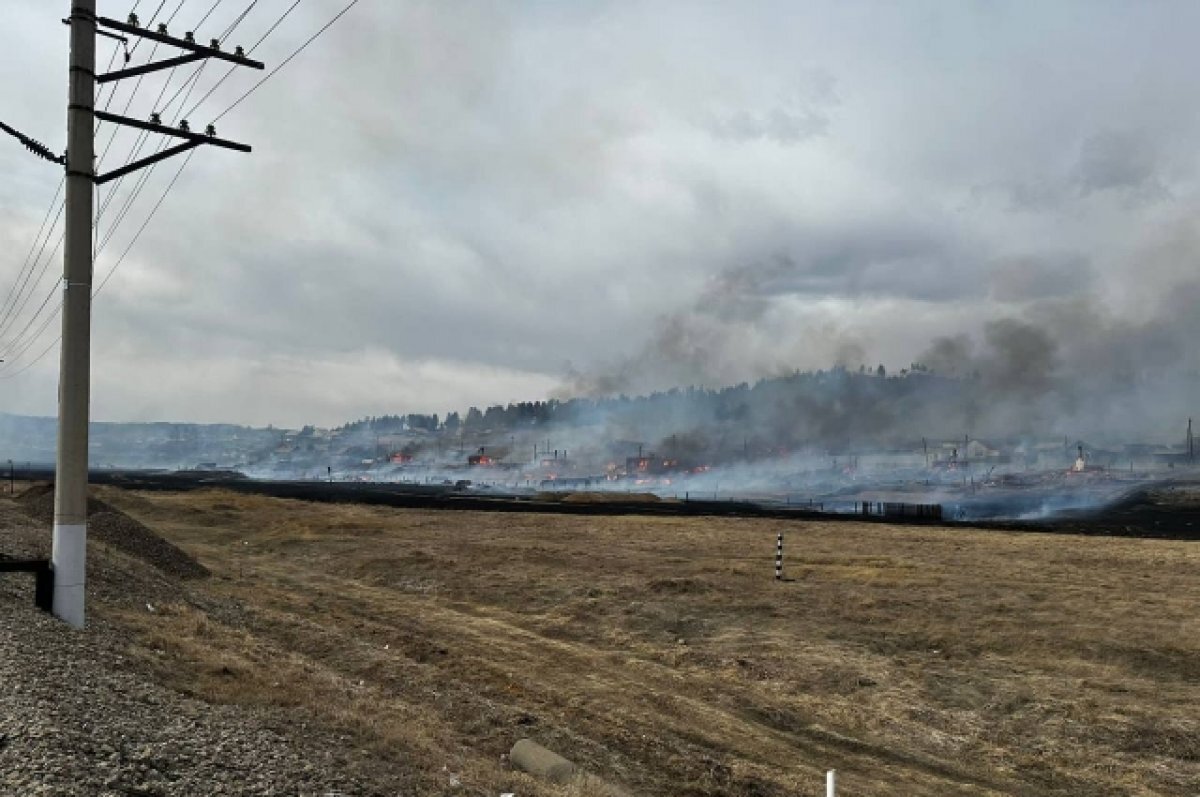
[45, 351]
[16, 357]
[190, 83]
[271, 29]
[128, 103]
[21, 299]
[144, 136]
[32, 287]
[233, 25]
[7, 351]
[141, 142]
[112, 60]
[287, 60]
[204, 18]
[144, 178]
[153, 17]
[254, 47]
[141, 229]
[138, 85]
[11, 299]
[19, 302]
[16, 352]
[35, 360]
[275, 71]
[11, 296]
[141, 78]
[222, 38]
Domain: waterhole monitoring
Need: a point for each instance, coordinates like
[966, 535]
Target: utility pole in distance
[69, 556]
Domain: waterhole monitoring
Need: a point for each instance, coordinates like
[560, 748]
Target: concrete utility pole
[69, 556]
[69, 553]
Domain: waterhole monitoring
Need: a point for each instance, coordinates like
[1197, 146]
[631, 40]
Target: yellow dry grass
[661, 654]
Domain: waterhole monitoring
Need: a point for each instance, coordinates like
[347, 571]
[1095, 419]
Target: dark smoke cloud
[1062, 366]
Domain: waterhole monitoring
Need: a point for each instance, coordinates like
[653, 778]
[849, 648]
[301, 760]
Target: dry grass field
[661, 654]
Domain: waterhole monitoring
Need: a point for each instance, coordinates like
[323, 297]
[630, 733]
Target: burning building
[480, 459]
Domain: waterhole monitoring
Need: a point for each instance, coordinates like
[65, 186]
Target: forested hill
[828, 409]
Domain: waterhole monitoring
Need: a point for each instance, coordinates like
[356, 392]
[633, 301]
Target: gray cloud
[1110, 161]
[448, 200]
[1030, 278]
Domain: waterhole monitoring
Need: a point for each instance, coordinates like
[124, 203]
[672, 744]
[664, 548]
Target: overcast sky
[454, 203]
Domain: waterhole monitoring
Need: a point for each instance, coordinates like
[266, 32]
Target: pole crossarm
[193, 140]
[143, 162]
[153, 66]
[104, 116]
[183, 44]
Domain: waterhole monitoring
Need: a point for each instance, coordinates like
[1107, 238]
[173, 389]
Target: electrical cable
[11, 298]
[187, 160]
[144, 135]
[153, 17]
[99, 288]
[141, 78]
[6, 352]
[295, 53]
[22, 297]
[142, 229]
[111, 60]
[287, 60]
[35, 360]
[233, 68]
[233, 25]
[5, 318]
[204, 18]
[145, 176]
[29, 344]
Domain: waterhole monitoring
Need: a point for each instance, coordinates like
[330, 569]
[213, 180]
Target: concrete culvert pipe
[531, 757]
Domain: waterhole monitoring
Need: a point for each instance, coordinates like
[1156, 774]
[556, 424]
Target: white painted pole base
[831, 783]
[69, 558]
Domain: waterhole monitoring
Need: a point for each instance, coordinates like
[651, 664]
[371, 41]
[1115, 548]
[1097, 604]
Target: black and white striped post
[779, 557]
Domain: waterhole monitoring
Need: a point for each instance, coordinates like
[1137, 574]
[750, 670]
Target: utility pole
[1191, 443]
[69, 554]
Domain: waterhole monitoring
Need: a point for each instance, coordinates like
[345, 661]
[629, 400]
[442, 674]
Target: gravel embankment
[77, 718]
[115, 528]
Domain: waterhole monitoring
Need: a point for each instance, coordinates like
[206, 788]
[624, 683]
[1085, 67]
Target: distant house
[480, 459]
[983, 450]
[1173, 458]
[1045, 452]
